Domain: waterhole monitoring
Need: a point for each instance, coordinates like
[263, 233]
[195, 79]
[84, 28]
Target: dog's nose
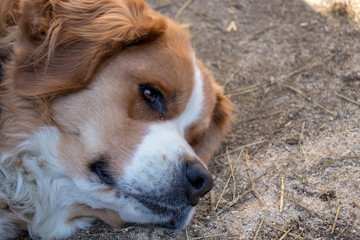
[200, 181]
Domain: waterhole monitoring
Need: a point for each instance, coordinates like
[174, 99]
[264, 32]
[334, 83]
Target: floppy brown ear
[61, 44]
[219, 126]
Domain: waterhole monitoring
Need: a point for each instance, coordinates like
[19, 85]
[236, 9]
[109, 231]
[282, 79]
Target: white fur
[8, 228]
[195, 105]
[40, 189]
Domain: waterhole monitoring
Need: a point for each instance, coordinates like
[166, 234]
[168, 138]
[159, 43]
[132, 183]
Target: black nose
[199, 181]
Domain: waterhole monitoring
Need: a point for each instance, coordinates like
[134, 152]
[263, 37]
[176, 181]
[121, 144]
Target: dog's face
[137, 129]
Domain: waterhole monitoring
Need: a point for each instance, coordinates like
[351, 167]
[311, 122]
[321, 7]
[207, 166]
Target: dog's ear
[206, 142]
[61, 44]
[219, 126]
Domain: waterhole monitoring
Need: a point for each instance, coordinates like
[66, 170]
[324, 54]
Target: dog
[106, 113]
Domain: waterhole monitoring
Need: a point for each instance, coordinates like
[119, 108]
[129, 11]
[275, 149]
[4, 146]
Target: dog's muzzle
[172, 199]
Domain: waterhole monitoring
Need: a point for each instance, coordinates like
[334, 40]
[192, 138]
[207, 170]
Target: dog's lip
[152, 202]
[161, 207]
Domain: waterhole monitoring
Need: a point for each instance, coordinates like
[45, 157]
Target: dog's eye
[153, 97]
[150, 95]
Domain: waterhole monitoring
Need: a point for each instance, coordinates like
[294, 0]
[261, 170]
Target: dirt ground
[293, 72]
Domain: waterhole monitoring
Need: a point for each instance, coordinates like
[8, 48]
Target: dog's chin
[177, 222]
[170, 217]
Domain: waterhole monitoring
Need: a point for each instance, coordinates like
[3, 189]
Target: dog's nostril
[199, 181]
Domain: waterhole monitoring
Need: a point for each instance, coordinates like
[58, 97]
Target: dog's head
[139, 117]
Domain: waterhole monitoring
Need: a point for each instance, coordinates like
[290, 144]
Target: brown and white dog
[106, 113]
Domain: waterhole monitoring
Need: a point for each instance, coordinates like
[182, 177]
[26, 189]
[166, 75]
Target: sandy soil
[292, 70]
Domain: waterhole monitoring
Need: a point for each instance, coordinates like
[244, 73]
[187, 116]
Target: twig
[259, 117]
[281, 79]
[332, 160]
[186, 233]
[285, 234]
[297, 175]
[261, 223]
[250, 178]
[282, 230]
[302, 133]
[301, 206]
[227, 183]
[208, 19]
[288, 123]
[282, 194]
[335, 220]
[247, 167]
[234, 201]
[237, 199]
[254, 192]
[310, 100]
[347, 99]
[241, 147]
[232, 175]
[306, 66]
[255, 35]
[212, 236]
[183, 7]
[246, 89]
[301, 141]
[222, 193]
[212, 201]
[342, 231]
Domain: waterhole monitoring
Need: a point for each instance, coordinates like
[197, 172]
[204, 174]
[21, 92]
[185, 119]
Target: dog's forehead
[167, 62]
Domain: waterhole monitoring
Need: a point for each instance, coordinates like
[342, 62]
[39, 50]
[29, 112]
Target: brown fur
[62, 48]
[9, 13]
